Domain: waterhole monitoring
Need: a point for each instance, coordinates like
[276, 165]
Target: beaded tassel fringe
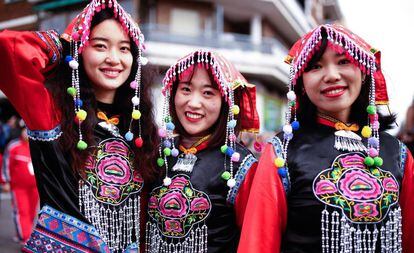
[339, 235]
[195, 242]
[118, 227]
[348, 141]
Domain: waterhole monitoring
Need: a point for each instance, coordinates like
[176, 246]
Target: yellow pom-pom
[279, 162]
[81, 115]
[366, 131]
[136, 114]
[235, 109]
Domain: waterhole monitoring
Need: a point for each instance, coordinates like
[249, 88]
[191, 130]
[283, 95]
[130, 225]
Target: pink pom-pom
[232, 137]
[133, 84]
[257, 146]
[375, 125]
[373, 152]
[75, 36]
[235, 157]
[162, 133]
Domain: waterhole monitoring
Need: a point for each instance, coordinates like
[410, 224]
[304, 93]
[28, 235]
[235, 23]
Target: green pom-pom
[223, 149]
[167, 119]
[371, 109]
[369, 161]
[378, 161]
[226, 175]
[167, 151]
[71, 91]
[292, 103]
[81, 145]
[160, 162]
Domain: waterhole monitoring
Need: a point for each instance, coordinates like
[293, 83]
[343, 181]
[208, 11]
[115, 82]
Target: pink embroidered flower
[365, 210]
[173, 204]
[109, 191]
[352, 161]
[153, 203]
[137, 178]
[89, 163]
[324, 187]
[173, 226]
[114, 169]
[356, 185]
[389, 184]
[116, 147]
[199, 204]
[178, 183]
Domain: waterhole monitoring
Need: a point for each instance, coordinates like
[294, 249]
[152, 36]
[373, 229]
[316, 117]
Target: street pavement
[7, 228]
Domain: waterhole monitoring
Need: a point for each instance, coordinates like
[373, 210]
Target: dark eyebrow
[106, 40]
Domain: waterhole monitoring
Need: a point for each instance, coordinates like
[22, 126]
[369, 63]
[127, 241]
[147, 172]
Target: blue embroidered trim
[244, 167]
[49, 135]
[403, 156]
[277, 145]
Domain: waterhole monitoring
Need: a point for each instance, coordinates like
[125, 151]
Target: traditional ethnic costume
[327, 189]
[98, 211]
[192, 209]
[18, 171]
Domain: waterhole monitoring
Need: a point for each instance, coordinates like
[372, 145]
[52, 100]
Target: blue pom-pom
[68, 58]
[295, 125]
[232, 123]
[170, 126]
[79, 102]
[288, 137]
[282, 172]
[129, 136]
[229, 151]
[174, 152]
[167, 144]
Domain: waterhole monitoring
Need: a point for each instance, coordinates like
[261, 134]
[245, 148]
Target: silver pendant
[348, 141]
[185, 163]
[110, 128]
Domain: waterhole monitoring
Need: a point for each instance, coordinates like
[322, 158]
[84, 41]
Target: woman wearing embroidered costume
[74, 92]
[199, 205]
[331, 185]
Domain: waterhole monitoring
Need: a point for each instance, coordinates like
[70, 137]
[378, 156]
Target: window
[185, 22]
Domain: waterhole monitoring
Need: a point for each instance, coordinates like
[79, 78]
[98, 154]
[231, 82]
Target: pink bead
[162, 132]
[373, 152]
[375, 125]
[235, 157]
[75, 36]
[232, 137]
[257, 146]
[133, 84]
[373, 117]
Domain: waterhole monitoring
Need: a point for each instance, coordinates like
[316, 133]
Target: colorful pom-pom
[279, 162]
[167, 144]
[162, 133]
[378, 161]
[226, 175]
[235, 109]
[139, 142]
[167, 119]
[174, 152]
[136, 114]
[71, 91]
[170, 126]
[160, 162]
[78, 102]
[135, 100]
[73, 64]
[366, 132]
[369, 161]
[375, 125]
[68, 58]
[292, 103]
[291, 96]
[288, 137]
[373, 141]
[372, 152]
[257, 146]
[235, 157]
[231, 182]
[167, 151]
[287, 129]
[282, 172]
[166, 181]
[133, 85]
[295, 125]
[81, 145]
[129, 136]
[232, 123]
[223, 149]
[371, 109]
[229, 151]
[81, 115]
[143, 60]
[232, 137]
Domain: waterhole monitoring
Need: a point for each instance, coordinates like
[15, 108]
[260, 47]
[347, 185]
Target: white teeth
[336, 91]
[111, 72]
[193, 116]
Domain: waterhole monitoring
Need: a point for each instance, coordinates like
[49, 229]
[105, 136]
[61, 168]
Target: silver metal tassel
[348, 141]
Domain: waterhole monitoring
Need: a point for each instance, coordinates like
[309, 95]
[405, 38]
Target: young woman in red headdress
[81, 97]
[337, 182]
[199, 204]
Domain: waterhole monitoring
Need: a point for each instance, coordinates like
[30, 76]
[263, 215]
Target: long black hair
[146, 155]
[307, 111]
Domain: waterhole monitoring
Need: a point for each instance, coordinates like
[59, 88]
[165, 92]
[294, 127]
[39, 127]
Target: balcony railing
[162, 33]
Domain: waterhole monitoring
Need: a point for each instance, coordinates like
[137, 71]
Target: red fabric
[243, 195]
[24, 203]
[407, 204]
[266, 212]
[2, 180]
[26, 60]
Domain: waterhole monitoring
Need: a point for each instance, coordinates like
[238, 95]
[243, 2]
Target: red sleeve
[243, 195]
[2, 181]
[407, 204]
[266, 211]
[26, 58]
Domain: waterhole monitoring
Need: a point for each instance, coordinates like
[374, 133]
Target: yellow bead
[235, 109]
[136, 114]
[366, 132]
[81, 115]
[279, 162]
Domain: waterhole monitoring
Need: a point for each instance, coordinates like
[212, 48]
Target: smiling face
[333, 84]
[197, 103]
[107, 59]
